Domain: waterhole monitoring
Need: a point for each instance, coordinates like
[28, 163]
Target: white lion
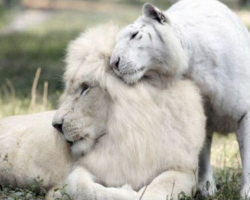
[33, 148]
[205, 41]
[144, 133]
[145, 136]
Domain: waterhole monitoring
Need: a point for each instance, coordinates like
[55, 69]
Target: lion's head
[82, 115]
[148, 44]
[93, 92]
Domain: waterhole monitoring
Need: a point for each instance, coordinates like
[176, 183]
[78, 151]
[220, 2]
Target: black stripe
[158, 34]
[143, 25]
[150, 36]
[157, 18]
[242, 118]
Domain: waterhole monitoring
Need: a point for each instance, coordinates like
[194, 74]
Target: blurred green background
[35, 34]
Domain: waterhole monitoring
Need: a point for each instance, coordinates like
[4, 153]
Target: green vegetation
[20, 56]
[43, 46]
[35, 192]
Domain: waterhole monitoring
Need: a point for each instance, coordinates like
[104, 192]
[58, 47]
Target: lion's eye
[85, 88]
[134, 35]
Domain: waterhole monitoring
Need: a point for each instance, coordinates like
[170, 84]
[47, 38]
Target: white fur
[153, 135]
[149, 132]
[34, 149]
[217, 45]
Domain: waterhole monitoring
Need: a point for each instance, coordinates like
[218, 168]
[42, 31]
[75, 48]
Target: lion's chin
[81, 147]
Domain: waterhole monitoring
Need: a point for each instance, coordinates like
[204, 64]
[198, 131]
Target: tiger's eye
[85, 87]
[134, 35]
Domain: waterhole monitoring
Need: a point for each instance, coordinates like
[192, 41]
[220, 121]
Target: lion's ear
[154, 13]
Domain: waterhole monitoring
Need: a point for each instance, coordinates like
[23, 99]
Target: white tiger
[205, 41]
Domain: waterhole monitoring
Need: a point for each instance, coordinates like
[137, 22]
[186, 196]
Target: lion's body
[148, 131]
[206, 42]
[34, 149]
[139, 135]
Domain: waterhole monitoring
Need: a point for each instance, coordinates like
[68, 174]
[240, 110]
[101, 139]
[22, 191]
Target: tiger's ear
[154, 13]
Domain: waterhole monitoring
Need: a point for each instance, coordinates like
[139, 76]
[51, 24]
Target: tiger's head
[149, 44]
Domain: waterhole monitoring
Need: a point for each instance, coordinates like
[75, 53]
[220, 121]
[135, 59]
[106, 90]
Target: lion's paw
[80, 184]
[128, 190]
[127, 187]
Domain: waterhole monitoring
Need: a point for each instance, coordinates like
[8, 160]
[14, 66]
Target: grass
[35, 192]
[226, 163]
[30, 53]
[43, 46]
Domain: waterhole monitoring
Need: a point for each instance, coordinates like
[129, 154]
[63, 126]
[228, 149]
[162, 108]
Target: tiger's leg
[243, 137]
[206, 185]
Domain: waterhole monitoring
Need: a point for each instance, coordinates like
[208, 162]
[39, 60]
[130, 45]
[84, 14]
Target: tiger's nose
[58, 125]
[115, 64]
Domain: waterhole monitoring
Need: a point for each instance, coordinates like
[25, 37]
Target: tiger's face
[149, 44]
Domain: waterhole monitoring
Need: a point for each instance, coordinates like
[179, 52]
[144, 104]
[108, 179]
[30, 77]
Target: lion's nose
[115, 64]
[58, 126]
